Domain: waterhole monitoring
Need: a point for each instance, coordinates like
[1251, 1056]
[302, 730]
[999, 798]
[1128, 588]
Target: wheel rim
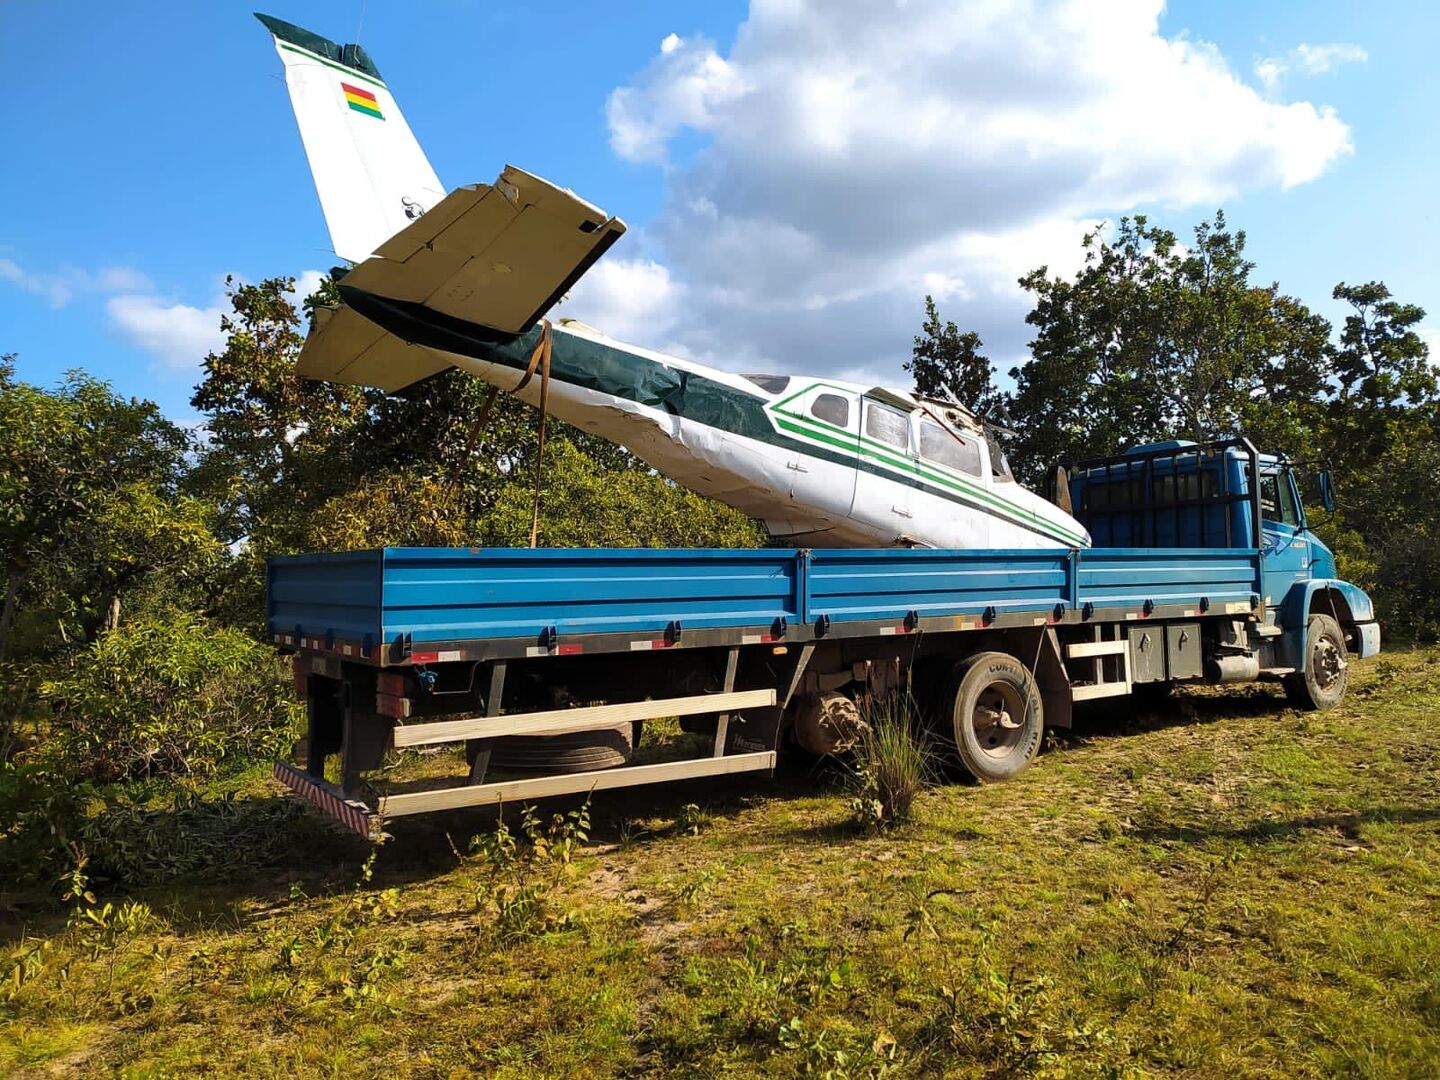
[997, 719]
[1327, 662]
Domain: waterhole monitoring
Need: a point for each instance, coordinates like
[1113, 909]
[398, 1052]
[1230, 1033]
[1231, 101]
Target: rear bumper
[326, 798]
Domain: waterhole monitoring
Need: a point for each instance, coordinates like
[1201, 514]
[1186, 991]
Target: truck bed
[418, 605]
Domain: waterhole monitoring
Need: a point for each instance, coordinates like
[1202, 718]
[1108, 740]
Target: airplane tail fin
[372, 177]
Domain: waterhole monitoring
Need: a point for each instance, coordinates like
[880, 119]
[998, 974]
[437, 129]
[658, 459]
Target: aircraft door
[821, 473]
[884, 492]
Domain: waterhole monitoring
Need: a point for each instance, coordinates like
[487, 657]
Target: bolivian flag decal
[362, 101]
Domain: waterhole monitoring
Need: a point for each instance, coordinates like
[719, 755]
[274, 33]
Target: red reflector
[424, 657]
[568, 650]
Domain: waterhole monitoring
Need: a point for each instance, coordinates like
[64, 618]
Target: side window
[833, 409]
[887, 425]
[1270, 497]
[938, 445]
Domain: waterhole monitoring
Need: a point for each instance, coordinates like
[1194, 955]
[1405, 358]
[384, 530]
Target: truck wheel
[997, 716]
[1321, 684]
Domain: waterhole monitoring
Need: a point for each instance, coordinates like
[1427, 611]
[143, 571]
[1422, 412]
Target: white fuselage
[851, 470]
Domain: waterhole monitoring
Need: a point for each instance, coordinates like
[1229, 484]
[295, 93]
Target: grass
[1215, 886]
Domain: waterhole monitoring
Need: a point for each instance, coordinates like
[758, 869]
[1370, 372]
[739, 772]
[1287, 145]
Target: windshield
[999, 463]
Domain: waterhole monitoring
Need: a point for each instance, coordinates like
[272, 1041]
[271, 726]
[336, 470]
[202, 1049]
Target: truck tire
[1321, 683]
[996, 716]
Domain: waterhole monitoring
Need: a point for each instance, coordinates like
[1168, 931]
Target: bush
[893, 762]
[168, 695]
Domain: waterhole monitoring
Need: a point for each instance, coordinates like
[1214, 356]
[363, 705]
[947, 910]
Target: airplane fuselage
[821, 462]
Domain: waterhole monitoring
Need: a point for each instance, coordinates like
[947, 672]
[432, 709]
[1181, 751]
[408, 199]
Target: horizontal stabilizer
[345, 347]
[500, 255]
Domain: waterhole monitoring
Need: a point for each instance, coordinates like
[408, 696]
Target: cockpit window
[939, 445]
[771, 384]
[999, 463]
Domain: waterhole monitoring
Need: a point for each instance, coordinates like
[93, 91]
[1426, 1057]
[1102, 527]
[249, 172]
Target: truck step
[565, 721]
[1099, 690]
[541, 787]
[1267, 630]
[1078, 649]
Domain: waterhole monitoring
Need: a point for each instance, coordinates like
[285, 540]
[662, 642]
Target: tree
[1382, 436]
[91, 512]
[1155, 340]
[945, 361]
[90, 505]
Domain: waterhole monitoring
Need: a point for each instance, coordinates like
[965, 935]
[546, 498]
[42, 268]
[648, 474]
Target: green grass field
[1218, 886]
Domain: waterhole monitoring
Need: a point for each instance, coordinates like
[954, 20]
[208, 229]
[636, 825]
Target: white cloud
[857, 154]
[630, 299]
[180, 336]
[1307, 59]
[59, 287]
[1318, 59]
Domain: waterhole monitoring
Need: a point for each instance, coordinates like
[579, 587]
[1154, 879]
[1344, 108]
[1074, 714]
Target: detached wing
[496, 256]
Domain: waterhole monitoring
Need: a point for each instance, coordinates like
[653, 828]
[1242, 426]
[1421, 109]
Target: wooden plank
[542, 787]
[560, 721]
[722, 723]
[1095, 648]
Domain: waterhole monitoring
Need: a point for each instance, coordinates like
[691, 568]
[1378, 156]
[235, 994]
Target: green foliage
[168, 696]
[945, 361]
[583, 506]
[90, 506]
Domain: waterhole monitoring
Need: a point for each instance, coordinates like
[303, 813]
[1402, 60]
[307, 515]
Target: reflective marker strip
[434, 657]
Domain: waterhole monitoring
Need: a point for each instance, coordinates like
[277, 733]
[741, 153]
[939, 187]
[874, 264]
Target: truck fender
[1350, 605]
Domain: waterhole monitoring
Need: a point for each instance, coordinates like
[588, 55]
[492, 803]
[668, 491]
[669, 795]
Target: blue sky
[150, 150]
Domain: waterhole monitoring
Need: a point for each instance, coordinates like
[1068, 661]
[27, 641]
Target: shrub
[167, 695]
[893, 762]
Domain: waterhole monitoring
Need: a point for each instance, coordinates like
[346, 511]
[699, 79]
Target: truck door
[1287, 552]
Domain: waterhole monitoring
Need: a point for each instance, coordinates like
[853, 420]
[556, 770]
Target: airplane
[466, 279]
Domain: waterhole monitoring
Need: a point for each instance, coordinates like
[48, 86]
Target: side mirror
[1327, 491]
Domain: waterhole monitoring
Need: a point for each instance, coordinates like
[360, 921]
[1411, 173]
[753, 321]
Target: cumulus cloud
[59, 287]
[177, 335]
[630, 299]
[857, 154]
[1308, 59]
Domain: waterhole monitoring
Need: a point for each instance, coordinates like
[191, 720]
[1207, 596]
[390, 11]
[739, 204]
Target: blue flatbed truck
[544, 663]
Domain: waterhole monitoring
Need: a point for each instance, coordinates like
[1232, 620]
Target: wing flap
[345, 347]
[499, 255]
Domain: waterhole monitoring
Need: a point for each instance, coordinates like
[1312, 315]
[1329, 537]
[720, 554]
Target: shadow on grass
[1137, 714]
[1259, 832]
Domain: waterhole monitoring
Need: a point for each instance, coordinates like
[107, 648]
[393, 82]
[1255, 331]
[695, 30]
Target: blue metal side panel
[1129, 576]
[461, 594]
[887, 583]
[335, 592]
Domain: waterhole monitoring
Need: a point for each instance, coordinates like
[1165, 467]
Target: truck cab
[1226, 494]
